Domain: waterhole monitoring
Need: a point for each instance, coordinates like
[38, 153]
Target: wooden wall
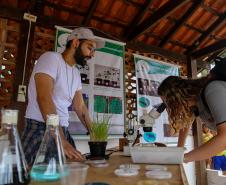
[9, 39]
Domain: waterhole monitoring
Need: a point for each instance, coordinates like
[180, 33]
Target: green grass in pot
[99, 129]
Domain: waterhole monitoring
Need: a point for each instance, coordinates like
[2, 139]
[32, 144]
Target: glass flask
[13, 166]
[49, 163]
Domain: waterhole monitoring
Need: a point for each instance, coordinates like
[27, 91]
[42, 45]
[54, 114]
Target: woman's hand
[186, 158]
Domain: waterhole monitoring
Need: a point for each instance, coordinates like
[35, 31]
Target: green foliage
[99, 129]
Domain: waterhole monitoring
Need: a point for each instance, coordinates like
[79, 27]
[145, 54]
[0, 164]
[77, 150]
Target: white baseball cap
[85, 33]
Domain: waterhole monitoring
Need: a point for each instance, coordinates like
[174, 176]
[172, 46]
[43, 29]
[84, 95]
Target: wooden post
[200, 166]
[3, 36]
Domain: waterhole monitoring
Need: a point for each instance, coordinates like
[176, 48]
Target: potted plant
[98, 136]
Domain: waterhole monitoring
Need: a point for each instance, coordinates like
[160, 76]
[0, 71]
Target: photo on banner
[149, 74]
[102, 84]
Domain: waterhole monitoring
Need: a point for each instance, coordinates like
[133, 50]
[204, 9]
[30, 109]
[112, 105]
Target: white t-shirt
[67, 81]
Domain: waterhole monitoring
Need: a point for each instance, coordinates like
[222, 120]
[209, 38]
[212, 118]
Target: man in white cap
[55, 84]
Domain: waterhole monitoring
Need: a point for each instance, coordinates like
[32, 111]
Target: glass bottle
[50, 159]
[13, 166]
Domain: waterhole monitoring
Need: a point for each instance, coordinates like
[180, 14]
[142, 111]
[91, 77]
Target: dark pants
[32, 137]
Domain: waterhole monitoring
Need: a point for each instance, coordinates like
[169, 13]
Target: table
[107, 175]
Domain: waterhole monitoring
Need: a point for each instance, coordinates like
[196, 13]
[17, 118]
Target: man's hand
[71, 152]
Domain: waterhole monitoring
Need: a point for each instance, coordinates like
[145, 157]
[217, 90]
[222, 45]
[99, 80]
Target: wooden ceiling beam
[139, 46]
[137, 18]
[74, 11]
[213, 55]
[211, 10]
[111, 22]
[38, 6]
[11, 13]
[162, 12]
[63, 8]
[139, 5]
[177, 43]
[150, 34]
[220, 45]
[32, 5]
[207, 33]
[170, 41]
[193, 28]
[49, 21]
[17, 15]
[92, 8]
[179, 23]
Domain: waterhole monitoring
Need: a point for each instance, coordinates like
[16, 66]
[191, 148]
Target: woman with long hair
[186, 99]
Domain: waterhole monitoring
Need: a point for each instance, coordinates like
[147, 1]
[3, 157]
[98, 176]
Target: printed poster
[150, 73]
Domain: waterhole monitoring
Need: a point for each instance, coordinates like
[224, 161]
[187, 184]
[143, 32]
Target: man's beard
[80, 58]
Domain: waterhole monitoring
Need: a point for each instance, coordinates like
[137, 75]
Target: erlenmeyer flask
[50, 159]
[13, 167]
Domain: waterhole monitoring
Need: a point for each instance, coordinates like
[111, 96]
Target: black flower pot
[97, 149]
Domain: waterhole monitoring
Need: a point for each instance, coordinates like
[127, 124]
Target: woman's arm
[211, 148]
[182, 137]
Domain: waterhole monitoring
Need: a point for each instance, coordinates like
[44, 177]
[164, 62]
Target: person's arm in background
[183, 133]
[80, 108]
[211, 148]
[44, 87]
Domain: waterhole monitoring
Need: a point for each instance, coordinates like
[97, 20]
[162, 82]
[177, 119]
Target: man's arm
[211, 148]
[80, 108]
[44, 87]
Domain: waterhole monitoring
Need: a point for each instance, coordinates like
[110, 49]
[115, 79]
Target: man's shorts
[32, 137]
[219, 163]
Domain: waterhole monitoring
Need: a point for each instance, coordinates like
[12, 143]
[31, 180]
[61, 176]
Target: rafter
[17, 15]
[209, 9]
[32, 5]
[38, 6]
[74, 11]
[133, 3]
[138, 17]
[48, 21]
[162, 12]
[170, 41]
[179, 23]
[213, 55]
[63, 8]
[139, 46]
[11, 13]
[208, 32]
[178, 44]
[150, 34]
[217, 46]
[193, 28]
[91, 10]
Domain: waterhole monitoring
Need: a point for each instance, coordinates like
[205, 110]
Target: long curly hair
[176, 93]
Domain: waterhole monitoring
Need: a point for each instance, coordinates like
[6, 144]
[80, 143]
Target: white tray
[157, 155]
